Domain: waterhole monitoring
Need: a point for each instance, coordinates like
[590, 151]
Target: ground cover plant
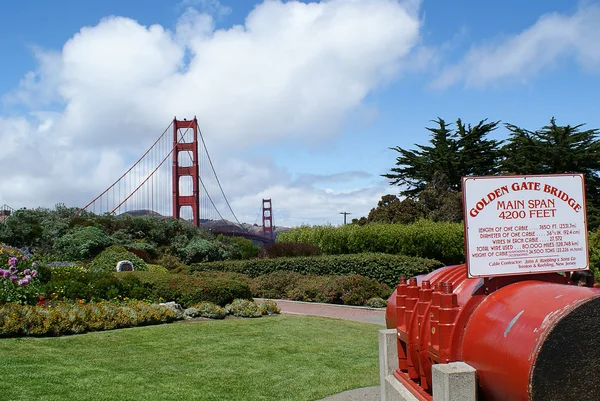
[241, 359]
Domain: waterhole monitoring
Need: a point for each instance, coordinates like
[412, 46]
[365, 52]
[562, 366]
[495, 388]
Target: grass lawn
[271, 358]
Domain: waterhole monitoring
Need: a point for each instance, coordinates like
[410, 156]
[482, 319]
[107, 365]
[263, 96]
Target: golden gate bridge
[176, 177]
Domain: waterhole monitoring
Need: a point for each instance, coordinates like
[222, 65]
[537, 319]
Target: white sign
[525, 224]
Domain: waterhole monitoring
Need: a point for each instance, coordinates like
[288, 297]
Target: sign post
[525, 224]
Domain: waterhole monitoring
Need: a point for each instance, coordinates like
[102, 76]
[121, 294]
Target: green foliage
[189, 290]
[269, 307]
[244, 308]
[376, 303]
[157, 268]
[241, 248]
[210, 310]
[441, 241]
[381, 267]
[63, 318]
[108, 259]
[288, 250]
[75, 283]
[557, 149]
[275, 285]
[82, 243]
[169, 262]
[348, 290]
[200, 250]
[451, 155]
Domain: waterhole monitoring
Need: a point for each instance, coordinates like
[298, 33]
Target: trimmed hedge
[75, 283]
[440, 241]
[381, 267]
[189, 290]
[64, 318]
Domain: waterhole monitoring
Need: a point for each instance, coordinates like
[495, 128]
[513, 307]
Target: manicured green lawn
[271, 358]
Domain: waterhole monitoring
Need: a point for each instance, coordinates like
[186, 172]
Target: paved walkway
[358, 313]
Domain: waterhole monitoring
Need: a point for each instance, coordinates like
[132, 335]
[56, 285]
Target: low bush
[66, 318]
[376, 302]
[288, 250]
[269, 307]
[210, 310]
[347, 290]
[82, 243]
[274, 285]
[189, 290]
[244, 308]
[108, 259]
[381, 267]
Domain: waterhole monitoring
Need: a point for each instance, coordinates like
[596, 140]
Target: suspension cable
[131, 168]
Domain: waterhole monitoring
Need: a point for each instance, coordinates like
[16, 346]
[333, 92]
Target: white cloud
[293, 71]
[554, 39]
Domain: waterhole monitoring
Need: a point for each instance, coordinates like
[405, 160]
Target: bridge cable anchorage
[147, 178]
[131, 168]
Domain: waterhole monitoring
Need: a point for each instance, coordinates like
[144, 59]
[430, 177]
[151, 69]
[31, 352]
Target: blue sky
[299, 103]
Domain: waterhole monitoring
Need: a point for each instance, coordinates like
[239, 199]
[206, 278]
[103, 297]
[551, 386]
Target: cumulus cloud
[554, 39]
[292, 71]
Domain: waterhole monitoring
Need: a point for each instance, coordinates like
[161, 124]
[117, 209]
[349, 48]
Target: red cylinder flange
[514, 330]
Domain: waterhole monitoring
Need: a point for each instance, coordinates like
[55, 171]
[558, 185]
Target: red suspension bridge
[176, 177]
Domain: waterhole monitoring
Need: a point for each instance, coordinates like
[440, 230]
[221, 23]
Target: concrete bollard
[456, 381]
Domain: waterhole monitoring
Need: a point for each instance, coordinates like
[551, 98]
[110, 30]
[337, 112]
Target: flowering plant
[18, 281]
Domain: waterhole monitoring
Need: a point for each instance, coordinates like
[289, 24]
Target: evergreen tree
[557, 149]
[451, 156]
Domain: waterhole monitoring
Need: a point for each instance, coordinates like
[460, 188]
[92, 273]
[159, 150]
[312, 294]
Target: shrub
[77, 283]
[82, 243]
[309, 289]
[269, 307]
[157, 268]
[108, 259]
[347, 290]
[376, 302]
[274, 285]
[441, 241]
[353, 290]
[169, 262]
[189, 290]
[210, 310]
[244, 308]
[245, 247]
[64, 318]
[200, 250]
[381, 267]
[289, 249]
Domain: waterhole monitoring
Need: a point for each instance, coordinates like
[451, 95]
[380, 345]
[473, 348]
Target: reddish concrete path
[358, 313]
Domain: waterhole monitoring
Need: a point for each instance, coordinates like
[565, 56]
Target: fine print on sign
[525, 224]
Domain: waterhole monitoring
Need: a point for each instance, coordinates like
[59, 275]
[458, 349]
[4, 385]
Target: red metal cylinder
[519, 332]
[520, 339]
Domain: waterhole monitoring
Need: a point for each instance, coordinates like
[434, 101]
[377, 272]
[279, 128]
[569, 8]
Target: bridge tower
[267, 219]
[192, 171]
